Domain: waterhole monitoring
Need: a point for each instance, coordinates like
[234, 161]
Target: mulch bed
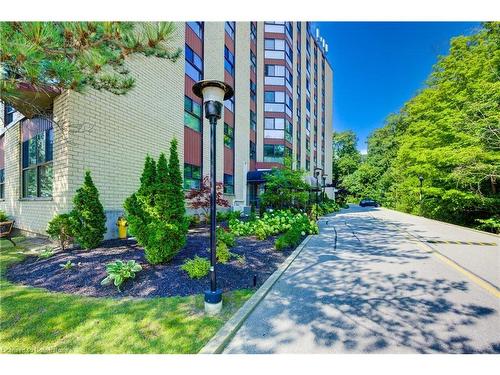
[153, 281]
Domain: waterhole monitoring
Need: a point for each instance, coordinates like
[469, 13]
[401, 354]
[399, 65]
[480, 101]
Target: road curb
[217, 343]
[444, 222]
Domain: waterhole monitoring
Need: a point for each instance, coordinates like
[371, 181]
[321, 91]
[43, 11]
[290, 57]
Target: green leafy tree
[346, 158]
[285, 188]
[88, 217]
[76, 55]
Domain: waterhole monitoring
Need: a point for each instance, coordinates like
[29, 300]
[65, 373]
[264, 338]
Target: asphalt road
[379, 281]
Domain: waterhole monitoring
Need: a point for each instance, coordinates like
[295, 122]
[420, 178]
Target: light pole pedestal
[213, 302]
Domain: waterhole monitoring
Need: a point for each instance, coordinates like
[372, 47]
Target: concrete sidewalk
[364, 286]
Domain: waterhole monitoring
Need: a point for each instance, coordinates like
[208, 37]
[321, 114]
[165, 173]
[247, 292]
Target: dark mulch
[153, 281]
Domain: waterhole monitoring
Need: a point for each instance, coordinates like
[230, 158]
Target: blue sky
[378, 66]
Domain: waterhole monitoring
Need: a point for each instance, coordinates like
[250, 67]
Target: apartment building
[281, 107]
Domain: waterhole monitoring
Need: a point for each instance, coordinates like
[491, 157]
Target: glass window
[274, 44]
[253, 61]
[274, 70]
[37, 155]
[229, 104]
[192, 176]
[274, 97]
[228, 136]
[253, 90]
[274, 153]
[228, 184]
[288, 26]
[274, 123]
[194, 64]
[8, 114]
[289, 131]
[253, 31]
[197, 27]
[228, 61]
[230, 26]
[253, 120]
[253, 151]
[192, 114]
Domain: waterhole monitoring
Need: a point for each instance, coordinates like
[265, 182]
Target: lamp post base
[213, 302]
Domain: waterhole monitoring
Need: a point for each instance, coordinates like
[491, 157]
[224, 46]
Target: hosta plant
[67, 266]
[120, 271]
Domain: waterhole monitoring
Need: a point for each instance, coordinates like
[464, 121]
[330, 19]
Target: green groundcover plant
[197, 267]
[120, 271]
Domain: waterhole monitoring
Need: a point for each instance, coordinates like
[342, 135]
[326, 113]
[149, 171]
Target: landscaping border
[217, 343]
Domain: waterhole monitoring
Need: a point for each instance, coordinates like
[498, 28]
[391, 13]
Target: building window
[37, 155]
[2, 167]
[192, 176]
[228, 61]
[288, 26]
[253, 151]
[253, 91]
[274, 153]
[228, 136]
[253, 61]
[228, 184]
[194, 65]
[253, 31]
[192, 114]
[253, 120]
[289, 132]
[274, 44]
[308, 164]
[8, 114]
[274, 97]
[274, 70]
[230, 26]
[271, 123]
[229, 104]
[197, 28]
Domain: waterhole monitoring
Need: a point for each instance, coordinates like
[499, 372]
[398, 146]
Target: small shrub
[3, 216]
[223, 253]
[291, 238]
[89, 220]
[225, 237]
[67, 266]
[194, 220]
[491, 225]
[119, 272]
[164, 242]
[197, 267]
[60, 229]
[46, 253]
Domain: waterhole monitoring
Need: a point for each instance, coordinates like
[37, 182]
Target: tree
[285, 188]
[76, 55]
[346, 158]
[88, 217]
[200, 198]
[175, 190]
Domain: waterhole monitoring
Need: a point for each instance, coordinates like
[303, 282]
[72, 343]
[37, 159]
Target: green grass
[34, 320]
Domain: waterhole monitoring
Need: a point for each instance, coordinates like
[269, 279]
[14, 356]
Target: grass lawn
[37, 321]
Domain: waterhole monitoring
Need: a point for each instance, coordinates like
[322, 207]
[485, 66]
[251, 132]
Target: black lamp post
[421, 179]
[317, 171]
[213, 94]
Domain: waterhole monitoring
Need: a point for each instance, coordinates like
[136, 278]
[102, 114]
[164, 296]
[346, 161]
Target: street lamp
[213, 93]
[317, 171]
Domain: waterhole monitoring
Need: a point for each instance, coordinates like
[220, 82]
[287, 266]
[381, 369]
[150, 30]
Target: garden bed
[261, 260]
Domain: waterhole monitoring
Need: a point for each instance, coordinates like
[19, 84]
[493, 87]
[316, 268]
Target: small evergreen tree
[89, 220]
[161, 192]
[175, 191]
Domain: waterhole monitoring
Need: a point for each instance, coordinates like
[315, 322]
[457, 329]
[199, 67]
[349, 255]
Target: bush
[60, 229]
[46, 253]
[225, 237]
[491, 225]
[119, 272]
[291, 238]
[197, 267]
[194, 220]
[223, 253]
[3, 216]
[164, 242]
[88, 218]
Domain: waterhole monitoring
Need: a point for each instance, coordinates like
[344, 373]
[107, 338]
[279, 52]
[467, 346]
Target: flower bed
[84, 278]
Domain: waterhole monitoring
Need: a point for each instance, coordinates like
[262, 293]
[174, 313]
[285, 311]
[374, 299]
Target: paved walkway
[365, 285]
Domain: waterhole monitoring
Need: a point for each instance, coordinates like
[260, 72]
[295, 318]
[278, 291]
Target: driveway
[379, 281]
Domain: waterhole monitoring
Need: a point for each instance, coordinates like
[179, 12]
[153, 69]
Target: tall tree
[346, 158]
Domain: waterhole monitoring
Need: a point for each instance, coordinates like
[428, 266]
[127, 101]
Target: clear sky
[378, 66]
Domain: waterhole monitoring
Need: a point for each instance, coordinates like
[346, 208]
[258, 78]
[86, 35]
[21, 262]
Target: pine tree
[88, 217]
[175, 193]
[162, 203]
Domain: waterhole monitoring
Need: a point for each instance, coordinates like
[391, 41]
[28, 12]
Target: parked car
[367, 202]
